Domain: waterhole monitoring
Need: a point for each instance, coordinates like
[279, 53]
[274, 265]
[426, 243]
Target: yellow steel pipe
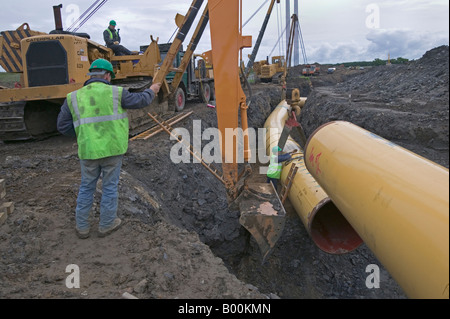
[396, 200]
[327, 227]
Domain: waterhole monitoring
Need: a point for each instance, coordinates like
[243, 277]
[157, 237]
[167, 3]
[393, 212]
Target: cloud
[336, 52]
[333, 32]
[378, 43]
[402, 43]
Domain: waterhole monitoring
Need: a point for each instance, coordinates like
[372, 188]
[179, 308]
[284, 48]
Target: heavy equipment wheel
[179, 99]
[206, 92]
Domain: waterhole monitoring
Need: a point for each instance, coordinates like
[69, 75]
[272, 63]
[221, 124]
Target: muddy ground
[179, 238]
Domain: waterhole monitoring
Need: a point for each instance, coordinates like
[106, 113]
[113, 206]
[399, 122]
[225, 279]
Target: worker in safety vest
[96, 114]
[276, 166]
[112, 40]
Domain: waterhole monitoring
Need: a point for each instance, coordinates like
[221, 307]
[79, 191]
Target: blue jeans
[109, 168]
[120, 50]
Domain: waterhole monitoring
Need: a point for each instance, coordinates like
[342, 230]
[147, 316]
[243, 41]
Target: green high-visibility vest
[275, 168]
[100, 122]
[110, 33]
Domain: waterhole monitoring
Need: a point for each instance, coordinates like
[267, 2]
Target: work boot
[82, 234]
[102, 232]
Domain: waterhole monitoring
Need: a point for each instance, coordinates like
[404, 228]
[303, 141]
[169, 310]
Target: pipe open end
[331, 232]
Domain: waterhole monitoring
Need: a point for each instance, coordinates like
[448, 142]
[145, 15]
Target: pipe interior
[331, 232]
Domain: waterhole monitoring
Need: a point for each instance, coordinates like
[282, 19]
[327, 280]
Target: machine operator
[112, 40]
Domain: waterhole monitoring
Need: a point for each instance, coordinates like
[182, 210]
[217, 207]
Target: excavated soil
[179, 239]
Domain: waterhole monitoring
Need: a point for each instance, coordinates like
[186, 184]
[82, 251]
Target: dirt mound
[425, 80]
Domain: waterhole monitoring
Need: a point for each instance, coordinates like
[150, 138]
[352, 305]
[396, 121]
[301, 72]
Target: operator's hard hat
[112, 22]
[276, 149]
[101, 64]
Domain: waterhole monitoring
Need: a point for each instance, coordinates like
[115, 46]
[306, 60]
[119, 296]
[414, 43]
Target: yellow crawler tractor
[55, 64]
[257, 67]
[273, 72]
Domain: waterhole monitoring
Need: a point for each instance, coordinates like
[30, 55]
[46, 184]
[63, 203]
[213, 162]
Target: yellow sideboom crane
[255, 50]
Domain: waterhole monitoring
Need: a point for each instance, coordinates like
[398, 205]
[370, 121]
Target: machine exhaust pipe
[396, 200]
[326, 225]
[57, 16]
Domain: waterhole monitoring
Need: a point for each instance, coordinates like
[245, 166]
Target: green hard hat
[112, 22]
[276, 149]
[102, 64]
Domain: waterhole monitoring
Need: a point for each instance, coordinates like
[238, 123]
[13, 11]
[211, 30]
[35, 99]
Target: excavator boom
[262, 213]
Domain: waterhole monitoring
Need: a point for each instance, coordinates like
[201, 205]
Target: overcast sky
[333, 30]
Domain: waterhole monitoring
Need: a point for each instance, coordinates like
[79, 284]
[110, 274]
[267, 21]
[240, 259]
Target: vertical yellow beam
[396, 200]
[226, 42]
